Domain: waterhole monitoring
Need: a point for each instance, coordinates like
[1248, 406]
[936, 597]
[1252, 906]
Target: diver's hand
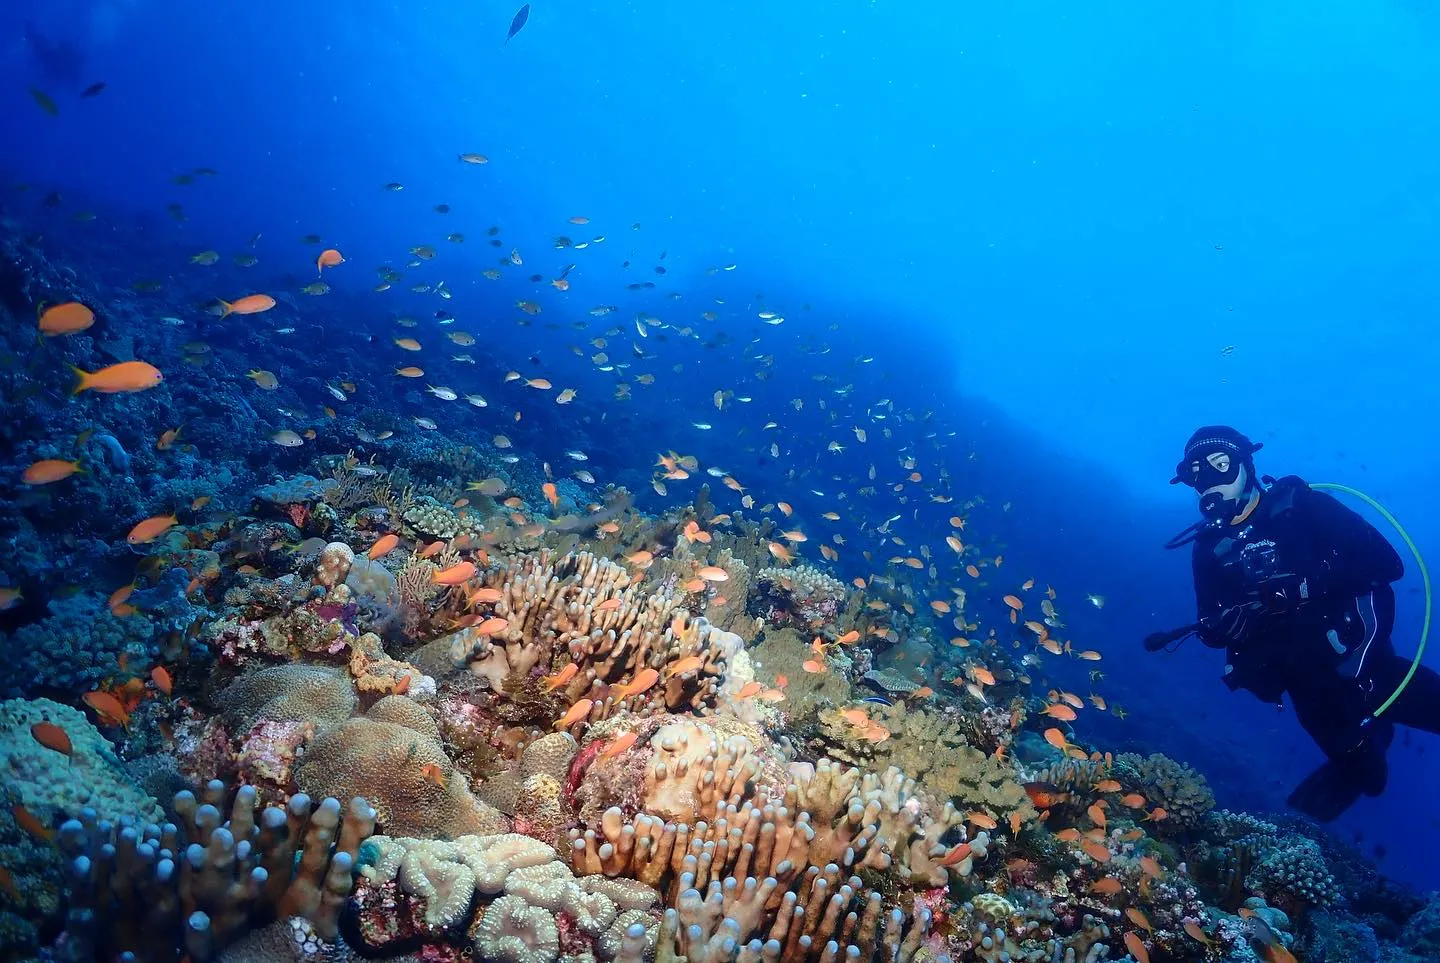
[1284, 592]
[1228, 628]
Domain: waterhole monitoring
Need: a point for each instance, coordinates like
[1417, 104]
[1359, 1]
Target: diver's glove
[1228, 628]
[1284, 593]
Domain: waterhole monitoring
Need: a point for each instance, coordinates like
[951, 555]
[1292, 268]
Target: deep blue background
[1043, 221]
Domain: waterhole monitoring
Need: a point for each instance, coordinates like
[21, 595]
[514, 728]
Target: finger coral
[201, 881]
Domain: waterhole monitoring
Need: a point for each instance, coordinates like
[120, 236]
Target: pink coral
[268, 751]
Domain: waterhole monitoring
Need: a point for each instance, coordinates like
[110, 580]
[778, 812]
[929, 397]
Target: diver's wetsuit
[1331, 650]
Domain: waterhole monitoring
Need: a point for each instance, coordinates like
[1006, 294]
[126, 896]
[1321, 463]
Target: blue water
[1044, 223]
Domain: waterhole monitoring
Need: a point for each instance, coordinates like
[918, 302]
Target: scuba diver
[1297, 589]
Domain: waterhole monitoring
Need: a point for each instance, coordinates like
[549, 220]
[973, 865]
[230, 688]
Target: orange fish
[1060, 711]
[688, 664]
[328, 258]
[1150, 866]
[455, 575]
[553, 682]
[1154, 815]
[68, 318]
[1138, 917]
[49, 470]
[972, 571]
[28, 821]
[1107, 886]
[485, 594]
[1057, 739]
[982, 675]
[1134, 800]
[609, 605]
[1097, 852]
[1137, 949]
[1013, 602]
[433, 774]
[383, 546]
[151, 529]
[492, 626]
[1068, 835]
[1132, 835]
[1015, 818]
[433, 549]
[402, 685]
[956, 854]
[576, 713]
[813, 666]
[551, 494]
[1108, 785]
[51, 736]
[771, 695]
[110, 710]
[1193, 930]
[118, 378]
[622, 742]
[750, 689]
[642, 682]
[161, 677]
[250, 304]
[1097, 815]
[980, 819]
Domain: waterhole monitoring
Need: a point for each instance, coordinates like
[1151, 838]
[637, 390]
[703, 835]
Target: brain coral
[47, 785]
[403, 773]
[305, 693]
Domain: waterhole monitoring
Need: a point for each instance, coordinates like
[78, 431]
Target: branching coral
[1175, 787]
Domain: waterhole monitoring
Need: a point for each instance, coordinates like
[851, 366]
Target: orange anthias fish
[1108, 785]
[956, 854]
[1060, 711]
[29, 822]
[642, 682]
[1137, 949]
[1139, 918]
[484, 594]
[161, 677]
[1193, 930]
[1044, 795]
[119, 378]
[1134, 800]
[456, 574]
[328, 258]
[576, 713]
[553, 682]
[492, 626]
[71, 317]
[681, 666]
[750, 690]
[51, 736]
[250, 304]
[1107, 886]
[433, 774]
[383, 546]
[110, 710]
[552, 495]
[151, 529]
[50, 470]
[622, 742]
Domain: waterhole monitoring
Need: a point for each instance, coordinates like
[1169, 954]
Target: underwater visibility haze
[657, 482]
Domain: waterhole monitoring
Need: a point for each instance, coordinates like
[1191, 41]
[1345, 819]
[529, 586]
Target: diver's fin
[1327, 792]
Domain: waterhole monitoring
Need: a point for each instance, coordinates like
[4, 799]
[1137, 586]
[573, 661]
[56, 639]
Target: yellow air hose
[1424, 577]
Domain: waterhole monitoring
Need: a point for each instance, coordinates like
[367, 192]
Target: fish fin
[228, 308]
[82, 380]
